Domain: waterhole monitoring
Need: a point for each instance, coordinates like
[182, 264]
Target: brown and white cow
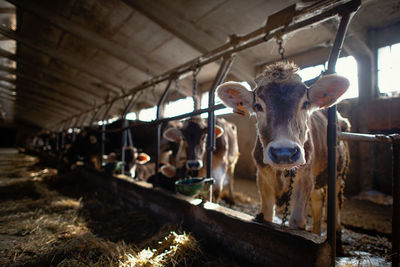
[138, 164]
[191, 156]
[291, 133]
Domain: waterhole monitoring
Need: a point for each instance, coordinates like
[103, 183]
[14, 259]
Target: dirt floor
[51, 220]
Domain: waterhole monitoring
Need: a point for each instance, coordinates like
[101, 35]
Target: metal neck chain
[281, 49]
[195, 93]
[292, 174]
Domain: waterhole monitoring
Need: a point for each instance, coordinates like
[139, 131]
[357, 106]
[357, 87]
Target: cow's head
[133, 158]
[192, 139]
[283, 104]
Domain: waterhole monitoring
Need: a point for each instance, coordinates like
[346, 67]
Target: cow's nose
[284, 155]
[194, 164]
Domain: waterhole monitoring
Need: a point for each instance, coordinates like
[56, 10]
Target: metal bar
[124, 124]
[396, 204]
[160, 114]
[128, 106]
[108, 110]
[219, 78]
[373, 138]
[84, 119]
[246, 41]
[175, 118]
[332, 138]
[103, 140]
[103, 132]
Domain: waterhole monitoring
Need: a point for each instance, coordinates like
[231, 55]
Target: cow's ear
[327, 90]
[219, 131]
[143, 158]
[235, 95]
[168, 170]
[173, 135]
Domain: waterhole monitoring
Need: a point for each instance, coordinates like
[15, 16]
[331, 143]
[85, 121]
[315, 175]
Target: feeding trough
[193, 186]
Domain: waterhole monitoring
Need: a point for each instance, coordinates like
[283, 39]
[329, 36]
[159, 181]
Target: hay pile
[173, 250]
[49, 220]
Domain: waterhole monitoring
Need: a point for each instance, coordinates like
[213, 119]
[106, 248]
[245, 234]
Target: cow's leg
[217, 189]
[266, 186]
[317, 200]
[302, 188]
[339, 199]
[230, 177]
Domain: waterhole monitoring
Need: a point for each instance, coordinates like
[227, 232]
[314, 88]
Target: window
[148, 114]
[388, 68]
[345, 66]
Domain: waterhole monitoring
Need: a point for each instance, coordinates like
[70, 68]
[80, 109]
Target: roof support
[67, 58]
[38, 108]
[53, 74]
[60, 94]
[303, 18]
[118, 51]
[6, 79]
[26, 92]
[7, 87]
[187, 32]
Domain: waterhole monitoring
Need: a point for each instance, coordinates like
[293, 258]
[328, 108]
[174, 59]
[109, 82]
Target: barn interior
[67, 65]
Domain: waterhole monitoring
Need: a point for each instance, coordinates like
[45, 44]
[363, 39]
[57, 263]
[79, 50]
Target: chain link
[279, 41]
[292, 174]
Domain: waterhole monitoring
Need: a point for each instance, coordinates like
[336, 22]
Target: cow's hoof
[259, 218]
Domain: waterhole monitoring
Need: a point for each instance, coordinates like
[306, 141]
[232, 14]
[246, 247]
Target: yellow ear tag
[241, 110]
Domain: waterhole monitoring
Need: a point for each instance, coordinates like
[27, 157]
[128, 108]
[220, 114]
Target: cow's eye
[306, 104]
[258, 107]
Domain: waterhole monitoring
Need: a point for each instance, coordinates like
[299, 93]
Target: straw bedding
[50, 220]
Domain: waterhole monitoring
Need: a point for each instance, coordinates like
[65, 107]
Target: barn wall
[371, 171]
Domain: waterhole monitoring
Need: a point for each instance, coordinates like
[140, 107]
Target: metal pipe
[84, 119]
[219, 78]
[332, 137]
[103, 132]
[124, 136]
[159, 114]
[252, 39]
[175, 118]
[396, 201]
[373, 138]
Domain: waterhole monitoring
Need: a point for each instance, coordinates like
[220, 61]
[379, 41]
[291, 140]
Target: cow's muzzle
[284, 155]
[194, 164]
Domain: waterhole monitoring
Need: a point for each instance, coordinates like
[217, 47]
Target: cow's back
[318, 131]
[227, 145]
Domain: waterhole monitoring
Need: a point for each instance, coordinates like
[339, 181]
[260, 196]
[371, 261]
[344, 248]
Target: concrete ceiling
[69, 56]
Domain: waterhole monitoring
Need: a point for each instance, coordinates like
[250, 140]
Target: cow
[291, 135]
[141, 135]
[190, 157]
[138, 164]
[85, 148]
